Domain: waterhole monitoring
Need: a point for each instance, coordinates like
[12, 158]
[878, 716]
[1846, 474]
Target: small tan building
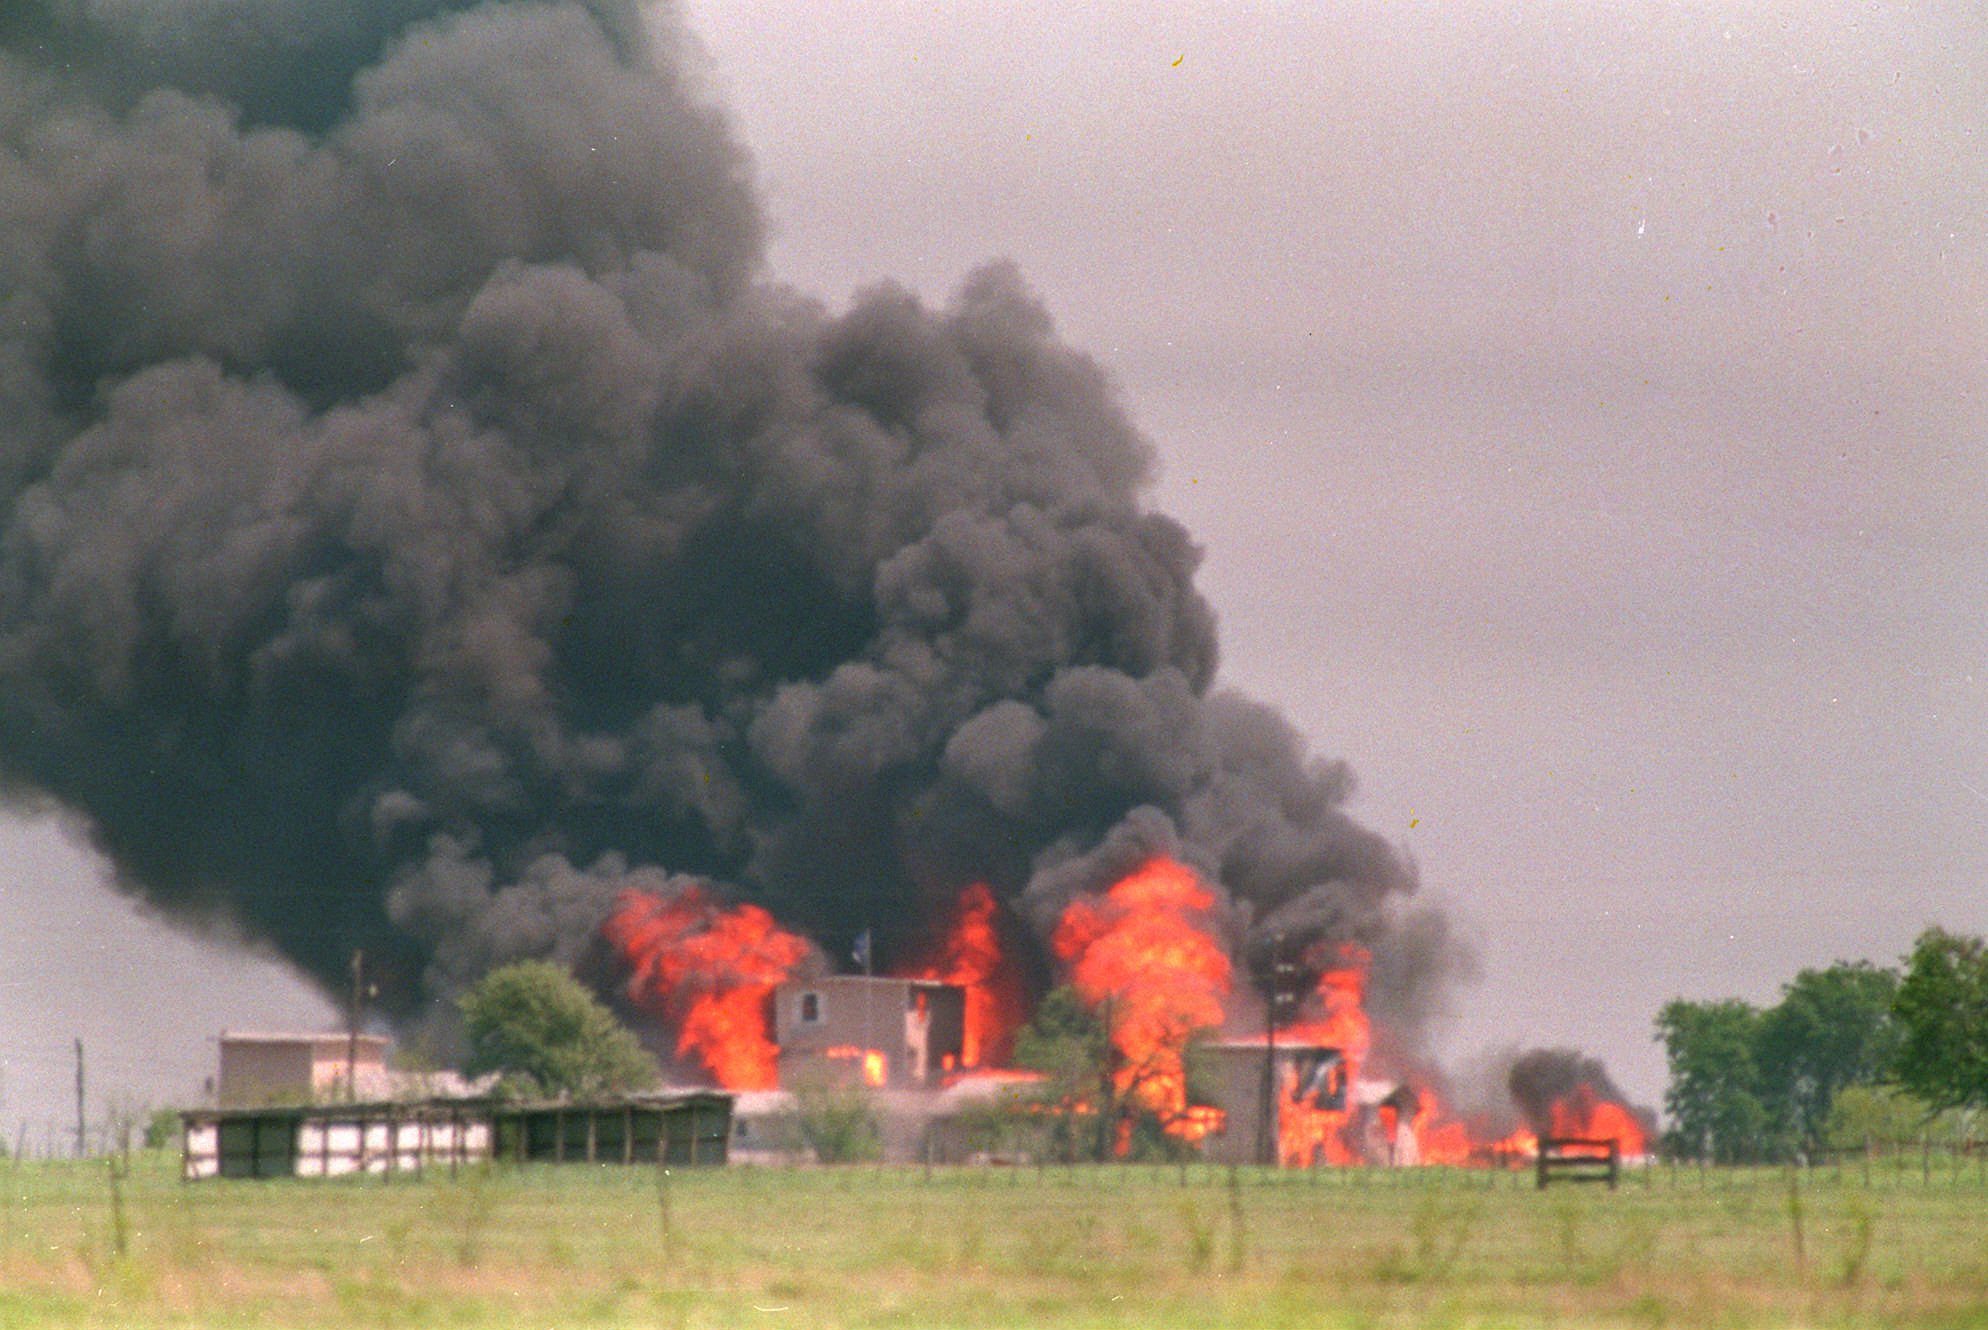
[888, 1034]
[258, 1069]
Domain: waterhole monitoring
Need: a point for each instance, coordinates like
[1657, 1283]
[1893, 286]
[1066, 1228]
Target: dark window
[810, 1008]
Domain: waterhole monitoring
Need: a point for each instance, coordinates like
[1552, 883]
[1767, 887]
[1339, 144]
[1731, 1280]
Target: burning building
[426, 527]
[879, 1033]
[1262, 1089]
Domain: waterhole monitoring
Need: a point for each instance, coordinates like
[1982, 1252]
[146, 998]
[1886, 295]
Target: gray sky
[1581, 408]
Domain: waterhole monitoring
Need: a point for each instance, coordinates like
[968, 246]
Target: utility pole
[352, 1027]
[1110, 1103]
[1266, 1135]
[1269, 1139]
[82, 1139]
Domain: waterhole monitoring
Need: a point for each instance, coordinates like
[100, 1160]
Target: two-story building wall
[863, 1030]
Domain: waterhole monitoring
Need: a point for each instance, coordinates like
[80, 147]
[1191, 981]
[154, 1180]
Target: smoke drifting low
[422, 519]
[1545, 1080]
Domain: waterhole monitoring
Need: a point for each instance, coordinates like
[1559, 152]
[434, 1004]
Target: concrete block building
[268, 1068]
[860, 1030]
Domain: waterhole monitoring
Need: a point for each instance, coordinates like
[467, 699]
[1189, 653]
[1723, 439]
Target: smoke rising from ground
[1540, 1078]
[422, 519]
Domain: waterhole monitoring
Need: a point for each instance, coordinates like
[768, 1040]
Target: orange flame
[973, 958]
[707, 971]
[1586, 1113]
[1438, 1138]
[1143, 953]
[876, 1071]
[1306, 1133]
[1341, 1001]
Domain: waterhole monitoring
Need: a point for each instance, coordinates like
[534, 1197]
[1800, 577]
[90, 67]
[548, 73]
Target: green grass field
[862, 1246]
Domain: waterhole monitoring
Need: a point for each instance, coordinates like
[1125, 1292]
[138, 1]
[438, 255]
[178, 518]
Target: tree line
[1851, 1053]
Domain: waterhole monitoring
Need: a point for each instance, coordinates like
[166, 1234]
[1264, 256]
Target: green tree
[1097, 1100]
[1942, 1011]
[1833, 1028]
[837, 1123]
[162, 1129]
[1067, 1041]
[1886, 1116]
[544, 1033]
[1714, 1098]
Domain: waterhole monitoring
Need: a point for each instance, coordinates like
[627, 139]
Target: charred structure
[1258, 1086]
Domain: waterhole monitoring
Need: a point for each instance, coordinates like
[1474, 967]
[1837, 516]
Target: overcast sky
[1581, 408]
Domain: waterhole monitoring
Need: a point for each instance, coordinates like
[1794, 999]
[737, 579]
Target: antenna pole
[82, 1139]
[352, 1026]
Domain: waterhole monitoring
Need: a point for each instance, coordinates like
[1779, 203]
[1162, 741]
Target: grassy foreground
[862, 1246]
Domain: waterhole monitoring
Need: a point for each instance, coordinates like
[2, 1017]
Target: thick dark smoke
[421, 517]
[1541, 1077]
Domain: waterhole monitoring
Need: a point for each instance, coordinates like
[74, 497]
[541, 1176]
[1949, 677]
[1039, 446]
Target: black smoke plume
[1542, 1077]
[422, 517]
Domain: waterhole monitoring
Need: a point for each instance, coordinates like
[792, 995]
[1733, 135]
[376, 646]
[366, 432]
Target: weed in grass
[1200, 1237]
[1567, 1234]
[1238, 1224]
[1739, 1204]
[1856, 1254]
[395, 1235]
[673, 1309]
[1649, 1309]
[466, 1204]
[186, 1245]
[370, 1299]
[1438, 1229]
[788, 1290]
[665, 1227]
[1635, 1251]
[972, 1239]
[1795, 1223]
[1441, 1226]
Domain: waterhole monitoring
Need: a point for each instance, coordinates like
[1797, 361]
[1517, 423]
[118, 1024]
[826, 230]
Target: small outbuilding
[691, 1127]
[259, 1068]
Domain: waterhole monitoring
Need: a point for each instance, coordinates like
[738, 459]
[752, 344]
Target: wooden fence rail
[1580, 1159]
